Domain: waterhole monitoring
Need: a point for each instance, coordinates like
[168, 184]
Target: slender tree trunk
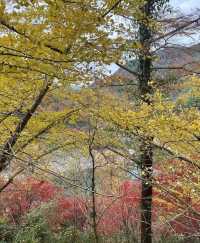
[146, 193]
[94, 213]
[146, 152]
[7, 149]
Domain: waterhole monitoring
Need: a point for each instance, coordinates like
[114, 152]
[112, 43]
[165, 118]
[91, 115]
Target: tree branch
[12, 28]
[177, 29]
[113, 7]
[10, 180]
[8, 146]
[127, 69]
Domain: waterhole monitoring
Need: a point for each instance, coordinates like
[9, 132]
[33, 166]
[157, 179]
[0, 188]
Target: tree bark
[93, 187]
[146, 153]
[146, 193]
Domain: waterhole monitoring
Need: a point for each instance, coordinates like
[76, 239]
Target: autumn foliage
[175, 211]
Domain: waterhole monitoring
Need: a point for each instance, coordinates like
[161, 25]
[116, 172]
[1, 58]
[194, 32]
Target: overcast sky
[186, 6]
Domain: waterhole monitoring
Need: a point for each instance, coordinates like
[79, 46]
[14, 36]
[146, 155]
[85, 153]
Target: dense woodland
[99, 122]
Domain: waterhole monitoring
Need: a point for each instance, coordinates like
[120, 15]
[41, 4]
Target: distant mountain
[181, 60]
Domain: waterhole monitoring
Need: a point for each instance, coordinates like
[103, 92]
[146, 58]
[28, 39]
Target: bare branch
[178, 29]
[113, 7]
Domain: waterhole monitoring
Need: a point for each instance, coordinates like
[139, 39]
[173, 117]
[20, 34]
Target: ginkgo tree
[177, 137]
[48, 50]
[45, 47]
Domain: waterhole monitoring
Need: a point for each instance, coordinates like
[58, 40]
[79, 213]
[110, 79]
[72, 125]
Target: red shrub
[18, 198]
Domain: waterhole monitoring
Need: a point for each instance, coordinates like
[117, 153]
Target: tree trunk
[145, 63]
[93, 187]
[146, 193]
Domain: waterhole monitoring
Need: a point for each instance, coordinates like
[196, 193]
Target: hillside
[181, 60]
